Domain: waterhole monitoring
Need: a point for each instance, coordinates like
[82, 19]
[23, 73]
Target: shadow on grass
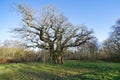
[93, 65]
[116, 78]
[35, 72]
[39, 71]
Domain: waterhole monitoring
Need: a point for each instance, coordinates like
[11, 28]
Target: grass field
[70, 70]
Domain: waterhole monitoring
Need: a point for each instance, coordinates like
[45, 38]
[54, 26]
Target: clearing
[70, 70]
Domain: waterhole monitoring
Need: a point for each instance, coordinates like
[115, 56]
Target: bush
[12, 54]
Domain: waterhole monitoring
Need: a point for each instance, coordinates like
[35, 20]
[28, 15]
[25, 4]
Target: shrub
[12, 54]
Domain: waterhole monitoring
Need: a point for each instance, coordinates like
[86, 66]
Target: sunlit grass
[71, 70]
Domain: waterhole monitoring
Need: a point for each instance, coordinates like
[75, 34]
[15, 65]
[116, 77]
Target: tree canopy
[50, 30]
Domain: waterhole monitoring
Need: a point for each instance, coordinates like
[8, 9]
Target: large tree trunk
[59, 59]
[56, 58]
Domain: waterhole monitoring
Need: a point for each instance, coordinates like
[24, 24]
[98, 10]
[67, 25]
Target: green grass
[70, 70]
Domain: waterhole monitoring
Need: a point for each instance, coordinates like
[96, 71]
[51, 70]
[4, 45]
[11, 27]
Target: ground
[70, 70]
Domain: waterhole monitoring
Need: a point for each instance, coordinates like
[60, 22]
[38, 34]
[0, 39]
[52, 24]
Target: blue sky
[98, 15]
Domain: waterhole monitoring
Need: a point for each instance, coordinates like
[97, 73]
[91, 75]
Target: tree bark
[58, 59]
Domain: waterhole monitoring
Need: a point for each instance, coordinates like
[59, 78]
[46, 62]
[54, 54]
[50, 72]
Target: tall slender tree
[112, 44]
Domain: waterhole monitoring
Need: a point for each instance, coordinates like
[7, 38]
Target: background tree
[89, 50]
[50, 30]
[13, 43]
[112, 44]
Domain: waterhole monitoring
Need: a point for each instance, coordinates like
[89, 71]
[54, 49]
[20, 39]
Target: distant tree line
[108, 50]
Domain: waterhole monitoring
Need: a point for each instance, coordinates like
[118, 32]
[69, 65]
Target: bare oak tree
[50, 30]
